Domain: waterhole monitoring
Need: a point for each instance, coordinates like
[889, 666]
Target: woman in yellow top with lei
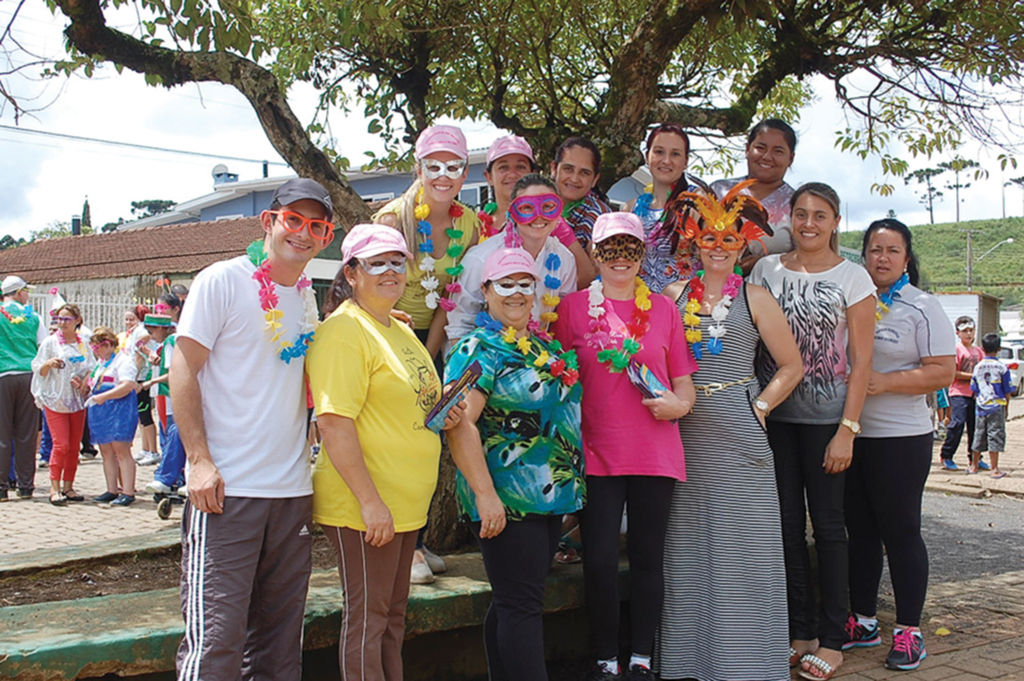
[438, 229]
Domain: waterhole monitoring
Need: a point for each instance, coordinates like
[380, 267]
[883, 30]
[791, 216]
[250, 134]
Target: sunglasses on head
[526, 209]
[509, 287]
[434, 169]
[321, 230]
[377, 265]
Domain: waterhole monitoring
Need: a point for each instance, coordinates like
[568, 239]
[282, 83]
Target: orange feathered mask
[717, 220]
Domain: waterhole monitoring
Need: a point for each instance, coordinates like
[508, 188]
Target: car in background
[1012, 356]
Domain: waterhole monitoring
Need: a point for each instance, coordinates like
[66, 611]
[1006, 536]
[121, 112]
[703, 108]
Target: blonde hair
[407, 222]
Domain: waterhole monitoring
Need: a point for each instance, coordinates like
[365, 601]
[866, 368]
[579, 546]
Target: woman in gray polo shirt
[914, 355]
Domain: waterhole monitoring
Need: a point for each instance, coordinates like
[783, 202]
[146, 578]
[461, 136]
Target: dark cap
[303, 188]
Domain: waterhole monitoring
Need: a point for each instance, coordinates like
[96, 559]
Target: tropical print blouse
[530, 428]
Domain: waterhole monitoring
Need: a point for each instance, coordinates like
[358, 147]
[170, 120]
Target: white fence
[98, 309]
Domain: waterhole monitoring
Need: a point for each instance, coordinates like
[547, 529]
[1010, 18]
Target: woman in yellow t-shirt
[373, 383]
[437, 227]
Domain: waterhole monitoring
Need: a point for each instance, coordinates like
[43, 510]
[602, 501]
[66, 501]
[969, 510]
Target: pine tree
[86, 218]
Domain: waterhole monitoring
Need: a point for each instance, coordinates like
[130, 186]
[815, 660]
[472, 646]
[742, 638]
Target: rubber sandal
[794, 657]
[58, 500]
[72, 495]
[826, 670]
[567, 555]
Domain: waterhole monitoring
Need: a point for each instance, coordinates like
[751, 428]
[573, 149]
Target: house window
[474, 194]
[384, 196]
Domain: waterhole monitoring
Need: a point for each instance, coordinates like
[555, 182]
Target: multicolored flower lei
[886, 299]
[552, 283]
[642, 207]
[600, 335]
[287, 350]
[719, 312]
[561, 365]
[428, 264]
[486, 215]
[11, 318]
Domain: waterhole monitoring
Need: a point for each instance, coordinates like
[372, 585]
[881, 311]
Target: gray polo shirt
[915, 327]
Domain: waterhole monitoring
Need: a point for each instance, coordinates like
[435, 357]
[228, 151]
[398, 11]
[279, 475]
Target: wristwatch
[852, 425]
[762, 406]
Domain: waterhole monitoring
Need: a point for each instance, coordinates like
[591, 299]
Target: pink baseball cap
[505, 146]
[609, 224]
[365, 240]
[508, 261]
[441, 138]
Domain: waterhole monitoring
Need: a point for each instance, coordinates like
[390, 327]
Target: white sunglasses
[377, 267]
[510, 288]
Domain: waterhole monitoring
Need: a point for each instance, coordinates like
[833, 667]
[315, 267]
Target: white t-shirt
[815, 305]
[254, 404]
[470, 300]
[915, 327]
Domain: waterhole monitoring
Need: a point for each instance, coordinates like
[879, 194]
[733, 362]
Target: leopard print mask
[619, 246]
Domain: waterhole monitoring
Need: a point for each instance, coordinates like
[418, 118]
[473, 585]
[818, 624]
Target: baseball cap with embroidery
[505, 146]
[507, 261]
[365, 240]
[608, 225]
[441, 138]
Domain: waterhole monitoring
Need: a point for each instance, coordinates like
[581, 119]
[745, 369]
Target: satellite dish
[219, 169]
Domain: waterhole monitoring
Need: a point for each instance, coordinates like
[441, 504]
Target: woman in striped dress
[724, 616]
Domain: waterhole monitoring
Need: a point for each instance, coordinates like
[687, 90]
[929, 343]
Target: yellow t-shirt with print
[382, 378]
[414, 300]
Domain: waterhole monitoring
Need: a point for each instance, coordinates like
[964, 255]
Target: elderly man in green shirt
[21, 331]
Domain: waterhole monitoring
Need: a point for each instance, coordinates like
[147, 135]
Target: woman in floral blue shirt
[520, 459]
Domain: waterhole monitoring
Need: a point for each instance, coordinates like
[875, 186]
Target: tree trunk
[444, 530]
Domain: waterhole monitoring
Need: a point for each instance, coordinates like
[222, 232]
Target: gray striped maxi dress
[724, 617]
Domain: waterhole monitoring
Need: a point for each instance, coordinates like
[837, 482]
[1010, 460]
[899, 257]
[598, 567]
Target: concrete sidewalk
[36, 524]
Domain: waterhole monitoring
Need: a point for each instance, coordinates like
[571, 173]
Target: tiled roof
[172, 249]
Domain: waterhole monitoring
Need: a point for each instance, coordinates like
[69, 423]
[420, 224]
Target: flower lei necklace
[286, 350]
[552, 263]
[428, 264]
[561, 365]
[62, 341]
[719, 312]
[486, 216]
[11, 318]
[642, 207]
[600, 332]
[886, 299]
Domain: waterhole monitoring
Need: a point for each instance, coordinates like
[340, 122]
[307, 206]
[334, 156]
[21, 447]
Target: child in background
[942, 411]
[990, 384]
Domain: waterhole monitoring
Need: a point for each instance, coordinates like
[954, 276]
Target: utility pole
[970, 257]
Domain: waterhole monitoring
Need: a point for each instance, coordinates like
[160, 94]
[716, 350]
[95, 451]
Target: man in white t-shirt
[239, 398]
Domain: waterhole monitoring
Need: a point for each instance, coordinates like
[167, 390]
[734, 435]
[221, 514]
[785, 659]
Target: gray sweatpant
[19, 424]
[244, 577]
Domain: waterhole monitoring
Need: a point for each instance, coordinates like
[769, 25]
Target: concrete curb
[51, 559]
[133, 634]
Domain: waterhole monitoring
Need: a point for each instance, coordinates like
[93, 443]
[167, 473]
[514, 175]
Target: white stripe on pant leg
[195, 610]
[366, 601]
[346, 611]
[190, 620]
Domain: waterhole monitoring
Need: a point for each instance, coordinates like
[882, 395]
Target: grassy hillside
[942, 254]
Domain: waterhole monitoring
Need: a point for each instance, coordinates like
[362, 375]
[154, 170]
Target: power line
[138, 146]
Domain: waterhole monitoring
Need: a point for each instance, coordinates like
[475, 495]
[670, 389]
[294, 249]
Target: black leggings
[517, 563]
[145, 408]
[648, 499]
[883, 501]
[799, 453]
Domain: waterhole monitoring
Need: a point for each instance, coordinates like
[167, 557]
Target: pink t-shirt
[966, 360]
[620, 436]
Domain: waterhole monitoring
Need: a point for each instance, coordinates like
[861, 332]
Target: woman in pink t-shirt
[631, 443]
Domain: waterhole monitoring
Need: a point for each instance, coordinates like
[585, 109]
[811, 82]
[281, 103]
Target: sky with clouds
[46, 179]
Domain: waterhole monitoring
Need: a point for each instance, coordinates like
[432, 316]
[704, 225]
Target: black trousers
[648, 499]
[883, 508]
[961, 415]
[517, 563]
[799, 454]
